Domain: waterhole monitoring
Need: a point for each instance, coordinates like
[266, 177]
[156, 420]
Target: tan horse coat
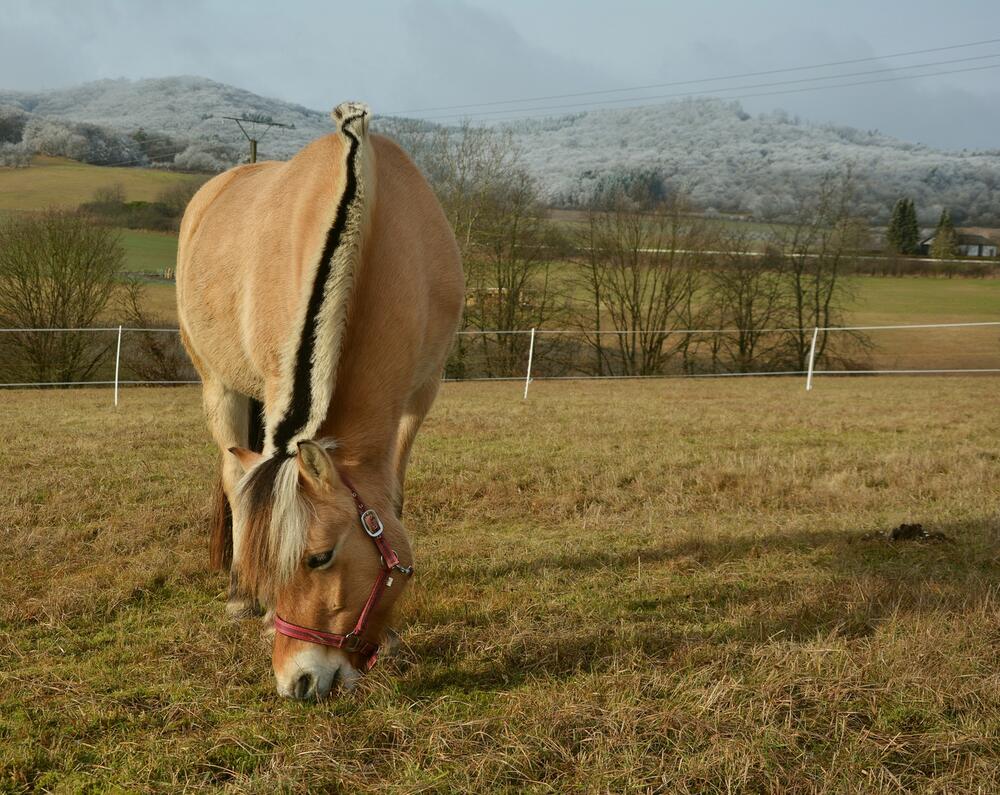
[329, 288]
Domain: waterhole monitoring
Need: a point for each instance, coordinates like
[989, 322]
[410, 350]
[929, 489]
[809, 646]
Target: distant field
[59, 182]
[621, 587]
[149, 252]
[574, 222]
[889, 300]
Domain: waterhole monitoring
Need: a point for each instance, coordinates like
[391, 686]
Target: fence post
[812, 360]
[531, 355]
[118, 361]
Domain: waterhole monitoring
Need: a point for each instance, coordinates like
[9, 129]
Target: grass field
[60, 182]
[149, 252]
[621, 587]
[921, 299]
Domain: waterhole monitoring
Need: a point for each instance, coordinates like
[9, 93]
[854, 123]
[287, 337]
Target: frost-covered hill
[727, 159]
[731, 161]
[184, 114]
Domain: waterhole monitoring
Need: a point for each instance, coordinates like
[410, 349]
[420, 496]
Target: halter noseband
[354, 642]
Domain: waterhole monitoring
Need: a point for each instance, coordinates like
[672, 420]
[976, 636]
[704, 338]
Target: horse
[318, 299]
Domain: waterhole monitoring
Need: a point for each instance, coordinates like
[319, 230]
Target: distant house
[967, 245]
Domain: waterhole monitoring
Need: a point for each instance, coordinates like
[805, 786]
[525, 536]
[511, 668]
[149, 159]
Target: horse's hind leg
[228, 414]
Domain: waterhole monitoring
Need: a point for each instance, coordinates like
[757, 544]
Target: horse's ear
[315, 466]
[248, 458]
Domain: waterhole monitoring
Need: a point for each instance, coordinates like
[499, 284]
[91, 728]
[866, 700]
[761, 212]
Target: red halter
[354, 642]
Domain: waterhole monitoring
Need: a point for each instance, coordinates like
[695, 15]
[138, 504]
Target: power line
[700, 80]
[545, 111]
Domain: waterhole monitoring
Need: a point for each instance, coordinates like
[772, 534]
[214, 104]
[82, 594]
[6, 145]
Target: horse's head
[329, 567]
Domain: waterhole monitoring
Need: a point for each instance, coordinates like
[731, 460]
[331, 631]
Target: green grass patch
[906, 299]
[149, 252]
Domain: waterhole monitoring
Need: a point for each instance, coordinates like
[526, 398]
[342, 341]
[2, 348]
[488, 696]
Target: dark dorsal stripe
[255, 426]
[297, 414]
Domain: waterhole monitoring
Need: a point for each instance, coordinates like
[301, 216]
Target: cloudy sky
[421, 56]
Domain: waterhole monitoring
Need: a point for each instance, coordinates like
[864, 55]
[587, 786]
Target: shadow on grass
[851, 548]
[585, 650]
[861, 583]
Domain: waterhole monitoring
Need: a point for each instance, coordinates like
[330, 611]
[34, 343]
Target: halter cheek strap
[354, 641]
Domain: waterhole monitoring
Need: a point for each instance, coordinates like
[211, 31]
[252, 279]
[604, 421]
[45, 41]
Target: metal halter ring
[369, 520]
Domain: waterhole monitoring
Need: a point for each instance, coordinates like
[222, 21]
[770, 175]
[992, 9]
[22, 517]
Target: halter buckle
[371, 523]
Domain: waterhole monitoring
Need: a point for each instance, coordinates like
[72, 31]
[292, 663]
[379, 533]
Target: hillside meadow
[661, 586]
[61, 182]
[57, 182]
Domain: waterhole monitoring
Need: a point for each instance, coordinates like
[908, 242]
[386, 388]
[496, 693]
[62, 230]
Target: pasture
[148, 252]
[60, 182]
[622, 586]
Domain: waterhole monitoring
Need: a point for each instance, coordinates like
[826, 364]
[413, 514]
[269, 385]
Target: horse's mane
[273, 513]
[311, 355]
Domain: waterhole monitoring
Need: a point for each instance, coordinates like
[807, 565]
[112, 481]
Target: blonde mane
[276, 530]
[310, 356]
[275, 516]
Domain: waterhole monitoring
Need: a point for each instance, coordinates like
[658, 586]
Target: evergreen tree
[910, 243]
[894, 233]
[945, 245]
[903, 234]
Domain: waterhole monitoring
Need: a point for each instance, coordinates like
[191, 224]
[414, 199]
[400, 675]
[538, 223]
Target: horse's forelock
[275, 526]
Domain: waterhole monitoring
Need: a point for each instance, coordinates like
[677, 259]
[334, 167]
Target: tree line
[636, 272]
[903, 233]
[649, 285]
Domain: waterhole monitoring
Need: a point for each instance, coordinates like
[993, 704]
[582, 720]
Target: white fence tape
[810, 372]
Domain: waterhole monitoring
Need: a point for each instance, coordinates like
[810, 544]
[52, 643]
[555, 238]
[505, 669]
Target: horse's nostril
[304, 687]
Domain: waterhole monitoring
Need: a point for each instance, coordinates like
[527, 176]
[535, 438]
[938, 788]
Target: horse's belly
[215, 333]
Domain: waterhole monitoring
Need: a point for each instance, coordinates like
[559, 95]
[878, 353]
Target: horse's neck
[365, 411]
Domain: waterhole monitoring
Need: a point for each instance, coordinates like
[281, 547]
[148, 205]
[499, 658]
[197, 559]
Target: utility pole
[254, 122]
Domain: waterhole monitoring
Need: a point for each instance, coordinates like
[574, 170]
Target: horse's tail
[310, 359]
[220, 532]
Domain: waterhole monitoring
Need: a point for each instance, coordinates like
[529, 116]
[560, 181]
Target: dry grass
[622, 587]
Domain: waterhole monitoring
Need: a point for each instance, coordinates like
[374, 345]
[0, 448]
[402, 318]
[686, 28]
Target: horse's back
[245, 240]
[250, 235]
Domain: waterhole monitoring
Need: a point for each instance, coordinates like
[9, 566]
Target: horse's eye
[320, 559]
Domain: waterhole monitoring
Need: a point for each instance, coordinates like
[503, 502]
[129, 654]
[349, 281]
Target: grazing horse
[318, 299]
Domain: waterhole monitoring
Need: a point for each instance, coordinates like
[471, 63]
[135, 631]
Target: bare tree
[641, 271]
[751, 301]
[150, 352]
[817, 249]
[176, 197]
[507, 243]
[467, 166]
[57, 270]
[508, 269]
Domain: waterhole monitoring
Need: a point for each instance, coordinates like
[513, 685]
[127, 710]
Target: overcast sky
[403, 55]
